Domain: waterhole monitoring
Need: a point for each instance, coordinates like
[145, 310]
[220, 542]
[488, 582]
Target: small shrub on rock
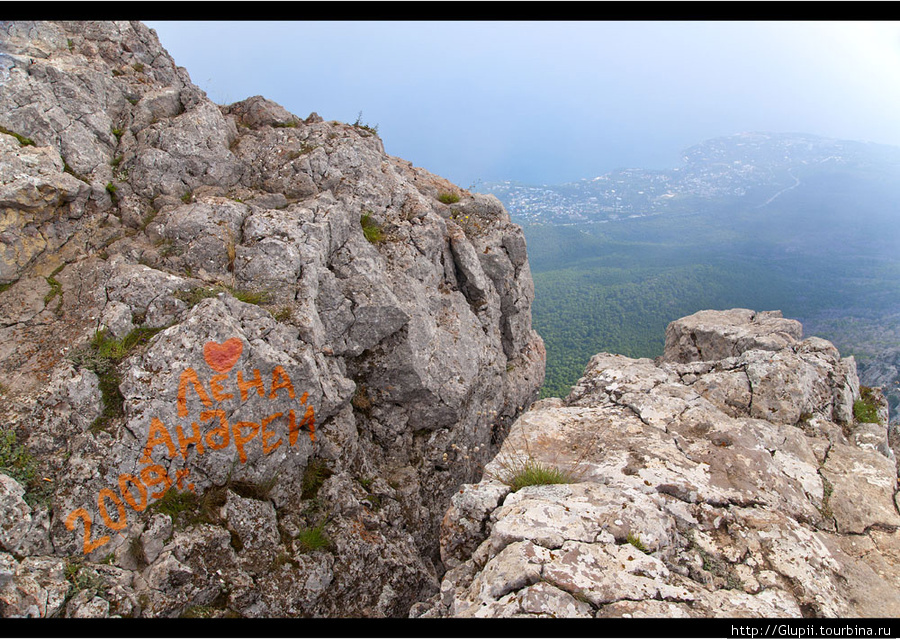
[865, 409]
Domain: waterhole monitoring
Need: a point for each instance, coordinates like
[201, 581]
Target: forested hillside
[820, 241]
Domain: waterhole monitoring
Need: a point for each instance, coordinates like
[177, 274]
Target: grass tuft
[101, 356]
[314, 476]
[635, 541]
[18, 463]
[517, 467]
[251, 297]
[865, 409]
[359, 124]
[177, 504]
[55, 287]
[23, 141]
[254, 490]
[196, 295]
[534, 473]
[314, 538]
[371, 229]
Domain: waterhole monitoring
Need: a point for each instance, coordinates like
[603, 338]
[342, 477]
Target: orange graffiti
[190, 375]
[180, 476]
[157, 436]
[124, 480]
[240, 440]
[154, 475]
[151, 476]
[256, 383]
[184, 443]
[153, 480]
[268, 435]
[222, 357]
[89, 546]
[285, 382]
[218, 392]
[309, 420]
[122, 521]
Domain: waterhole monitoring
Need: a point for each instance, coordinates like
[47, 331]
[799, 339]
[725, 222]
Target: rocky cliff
[744, 473]
[246, 357]
[251, 366]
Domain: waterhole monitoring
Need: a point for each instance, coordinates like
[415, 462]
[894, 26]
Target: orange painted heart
[223, 357]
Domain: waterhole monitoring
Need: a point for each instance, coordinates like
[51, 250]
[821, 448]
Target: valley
[807, 225]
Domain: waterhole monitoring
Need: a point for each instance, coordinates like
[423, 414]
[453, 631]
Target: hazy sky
[556, 101]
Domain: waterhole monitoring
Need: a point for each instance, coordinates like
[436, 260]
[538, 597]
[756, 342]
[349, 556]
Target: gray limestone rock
[33, 587]
[715, 335]
[15, 514]
[209, 355]
[862, 484]
[686, 487]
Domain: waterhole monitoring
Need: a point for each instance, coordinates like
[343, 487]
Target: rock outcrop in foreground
[729, 478]
[245, 357]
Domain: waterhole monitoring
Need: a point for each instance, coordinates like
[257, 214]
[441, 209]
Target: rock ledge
[728, 478]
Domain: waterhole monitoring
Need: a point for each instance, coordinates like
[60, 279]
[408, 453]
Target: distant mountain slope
[805, 224]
